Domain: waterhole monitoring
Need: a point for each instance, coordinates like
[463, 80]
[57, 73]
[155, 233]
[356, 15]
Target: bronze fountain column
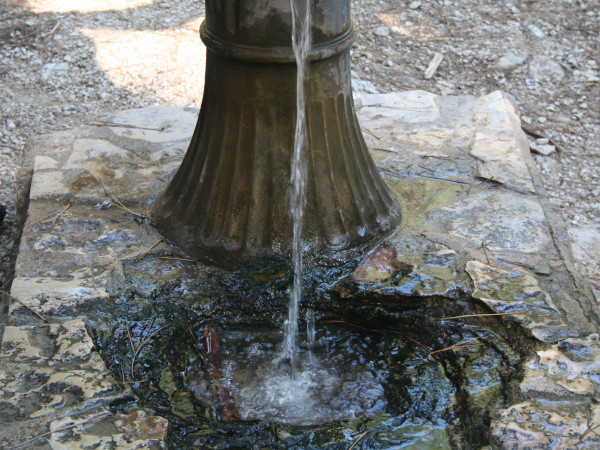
[228, 201]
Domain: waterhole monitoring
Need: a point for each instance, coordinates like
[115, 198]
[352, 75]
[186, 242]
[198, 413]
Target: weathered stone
[48, 184]
[87, 151]
[510, 61]
[585, 243]
[152, 125]
[566, 372]
[381, 266]
[518, 294]
[49, 373]
[49, 344]
[544, 68]
[497, 144]
[501, 219]
[52, 69]
[47, 295]
[382, 31]
[42, 162]
[542, 149]
[545, 425]
[137, 430]
[500, 162]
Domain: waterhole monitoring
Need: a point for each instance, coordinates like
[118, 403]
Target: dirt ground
[68, 62]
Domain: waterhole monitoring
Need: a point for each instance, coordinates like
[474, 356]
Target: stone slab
[475, 223]
[52, 375]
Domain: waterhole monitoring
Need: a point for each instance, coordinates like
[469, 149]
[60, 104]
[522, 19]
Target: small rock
[382, 31]
[10, 124]
[535, 30]
[433, 65]
[415, 5]
[591, 75]
[510, 61]
[50, 69]
[361, 87]
[542, 149]
[381, 266]
[542, 67]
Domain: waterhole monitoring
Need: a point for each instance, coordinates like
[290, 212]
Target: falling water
[301, 43]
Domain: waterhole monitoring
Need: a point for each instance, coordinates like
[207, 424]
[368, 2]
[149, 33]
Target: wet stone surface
[465, 327]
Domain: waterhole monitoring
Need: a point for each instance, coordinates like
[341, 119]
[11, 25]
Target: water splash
[301, 43]
[342, 377]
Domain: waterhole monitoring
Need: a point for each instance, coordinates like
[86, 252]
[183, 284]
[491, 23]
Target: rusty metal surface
[229, 199]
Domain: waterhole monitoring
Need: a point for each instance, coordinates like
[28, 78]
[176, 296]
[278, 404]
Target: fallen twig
[516, 263]
[481, 315]
[136, 351]
[590, 429]
[117, 202]
[426, 202]
[65, 428]
[51, 32]
[366, 130]
[484, 247]
[383, 149]
[457, 346]
[402, 108]
[448, 24]
[360, 436]
[26, 306]
[429, 352]
[101, 123]
[55, 215]
[145, 252]
[193, 334]
[173, 258]
[122, 371]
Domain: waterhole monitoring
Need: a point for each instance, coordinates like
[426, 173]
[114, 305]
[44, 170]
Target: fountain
[229, 201]
[458, 329]
[275, 169]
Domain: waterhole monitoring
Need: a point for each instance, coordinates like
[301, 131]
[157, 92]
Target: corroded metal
[229, 199]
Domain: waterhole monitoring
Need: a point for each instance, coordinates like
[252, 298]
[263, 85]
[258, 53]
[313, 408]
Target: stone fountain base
[477, 230]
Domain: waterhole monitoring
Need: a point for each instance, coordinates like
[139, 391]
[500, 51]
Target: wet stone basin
[465, 327]
[214, 366]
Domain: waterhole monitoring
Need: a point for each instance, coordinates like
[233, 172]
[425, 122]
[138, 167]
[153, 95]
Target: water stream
[301, 43]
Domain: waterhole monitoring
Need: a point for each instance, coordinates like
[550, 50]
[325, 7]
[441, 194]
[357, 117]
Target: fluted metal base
[229, 199]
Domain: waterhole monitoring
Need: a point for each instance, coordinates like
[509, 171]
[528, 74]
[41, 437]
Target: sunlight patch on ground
[422, 29]
[64, 6]
[167, 64]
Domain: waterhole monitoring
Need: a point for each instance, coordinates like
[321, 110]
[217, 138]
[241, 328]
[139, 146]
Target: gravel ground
[68, 62]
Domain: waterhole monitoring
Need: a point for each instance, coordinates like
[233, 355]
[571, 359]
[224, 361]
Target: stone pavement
[468, 187]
